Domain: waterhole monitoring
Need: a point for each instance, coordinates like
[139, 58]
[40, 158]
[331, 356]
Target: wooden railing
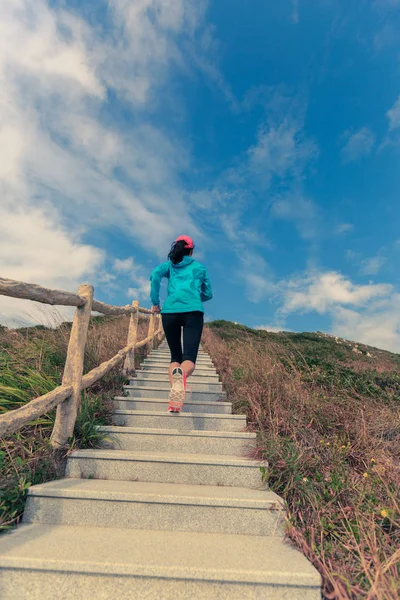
[66, 397]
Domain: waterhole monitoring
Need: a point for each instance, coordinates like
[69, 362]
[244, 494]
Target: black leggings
[192, 324]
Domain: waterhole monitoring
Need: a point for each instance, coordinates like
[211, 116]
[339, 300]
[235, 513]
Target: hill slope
[328, 416]
[31, 363]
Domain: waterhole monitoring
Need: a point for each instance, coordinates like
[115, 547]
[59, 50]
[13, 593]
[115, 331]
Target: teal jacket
[188, 286]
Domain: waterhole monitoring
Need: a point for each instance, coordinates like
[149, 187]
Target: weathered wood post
[161, 331]
[68, 410]
[156, 330]
[150, 332]
[129, 364]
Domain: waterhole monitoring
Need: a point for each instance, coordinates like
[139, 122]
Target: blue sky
[267, 131]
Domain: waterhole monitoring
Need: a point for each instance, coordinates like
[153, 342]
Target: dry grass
[333, 456]
[31, 363]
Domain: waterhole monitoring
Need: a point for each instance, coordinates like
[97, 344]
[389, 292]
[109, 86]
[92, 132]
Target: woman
[188, 287]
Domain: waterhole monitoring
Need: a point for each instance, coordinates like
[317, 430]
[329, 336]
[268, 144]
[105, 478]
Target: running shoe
[177, 393]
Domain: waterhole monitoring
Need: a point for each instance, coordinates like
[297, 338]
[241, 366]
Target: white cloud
[276, 161]
[256, 275]
[66, 169]
[352, 255]
[371, 266]
[136, 275]
[35, 248]
[272, 328]
[378, 325]
[281, 150]
[344, 228]
[358, 144]
[142, 289]
[301, 210]
[124, 265]
[365, 313]
[394, 115]
[321, 292]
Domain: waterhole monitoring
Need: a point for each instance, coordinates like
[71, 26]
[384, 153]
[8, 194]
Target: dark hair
[178, 251]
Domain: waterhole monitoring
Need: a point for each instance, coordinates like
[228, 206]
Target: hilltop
[325, 360]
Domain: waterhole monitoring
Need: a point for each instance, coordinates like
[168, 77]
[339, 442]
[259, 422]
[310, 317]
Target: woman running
[188, 287]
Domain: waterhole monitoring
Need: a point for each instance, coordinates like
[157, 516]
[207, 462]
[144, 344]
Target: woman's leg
[192, 329]
[172, 328]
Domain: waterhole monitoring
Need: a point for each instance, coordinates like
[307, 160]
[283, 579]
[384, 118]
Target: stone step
[166, 352]
[236, 443]
[196, 469]
[162, 375]
[164, 506]
[179, 422]
[161, 393]
[164, 382]
[157, 405]
[165, 365]
[202, 362]
[160, 368]
[72, 563]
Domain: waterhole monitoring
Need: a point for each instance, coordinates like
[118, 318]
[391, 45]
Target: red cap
[187, 239]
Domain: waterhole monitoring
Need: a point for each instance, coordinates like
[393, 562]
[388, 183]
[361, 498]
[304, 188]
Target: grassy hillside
[327, 413]
[31, 364]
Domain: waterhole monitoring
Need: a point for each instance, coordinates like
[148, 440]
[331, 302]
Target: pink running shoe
[177, 393]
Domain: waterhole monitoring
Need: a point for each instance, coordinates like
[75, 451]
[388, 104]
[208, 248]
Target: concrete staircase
[170, 508]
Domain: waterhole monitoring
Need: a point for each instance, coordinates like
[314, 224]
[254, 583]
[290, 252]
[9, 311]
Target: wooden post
[150, 332]
[68, 410]
[129, 364]
[156, 331]
[161, 332]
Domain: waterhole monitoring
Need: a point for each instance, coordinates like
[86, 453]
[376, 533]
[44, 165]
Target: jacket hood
[187, 260]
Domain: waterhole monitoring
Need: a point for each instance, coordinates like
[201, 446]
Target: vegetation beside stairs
[31, 363]
[326, 413]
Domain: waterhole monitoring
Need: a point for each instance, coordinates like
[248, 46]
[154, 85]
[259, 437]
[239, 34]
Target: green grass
[31, 363]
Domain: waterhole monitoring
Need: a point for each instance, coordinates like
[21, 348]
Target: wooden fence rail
[66, 397]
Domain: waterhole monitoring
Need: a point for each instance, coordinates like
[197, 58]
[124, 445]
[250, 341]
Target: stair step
[163, 382]
[197, 469]
[188, 442]
[167, 354]
[59, 562]
[163, 506]
[161, 368]
[157, 404]
[183, 421]
[162, 375]
[161, 393]
[202, 362]
[164, 365]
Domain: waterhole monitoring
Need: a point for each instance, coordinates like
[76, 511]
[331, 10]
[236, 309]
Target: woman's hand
[156, 309]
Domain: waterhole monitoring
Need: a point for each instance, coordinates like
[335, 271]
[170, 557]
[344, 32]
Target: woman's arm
[155, 279]
[206, 289]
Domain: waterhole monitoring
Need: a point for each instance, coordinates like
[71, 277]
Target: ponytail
[178, 252]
